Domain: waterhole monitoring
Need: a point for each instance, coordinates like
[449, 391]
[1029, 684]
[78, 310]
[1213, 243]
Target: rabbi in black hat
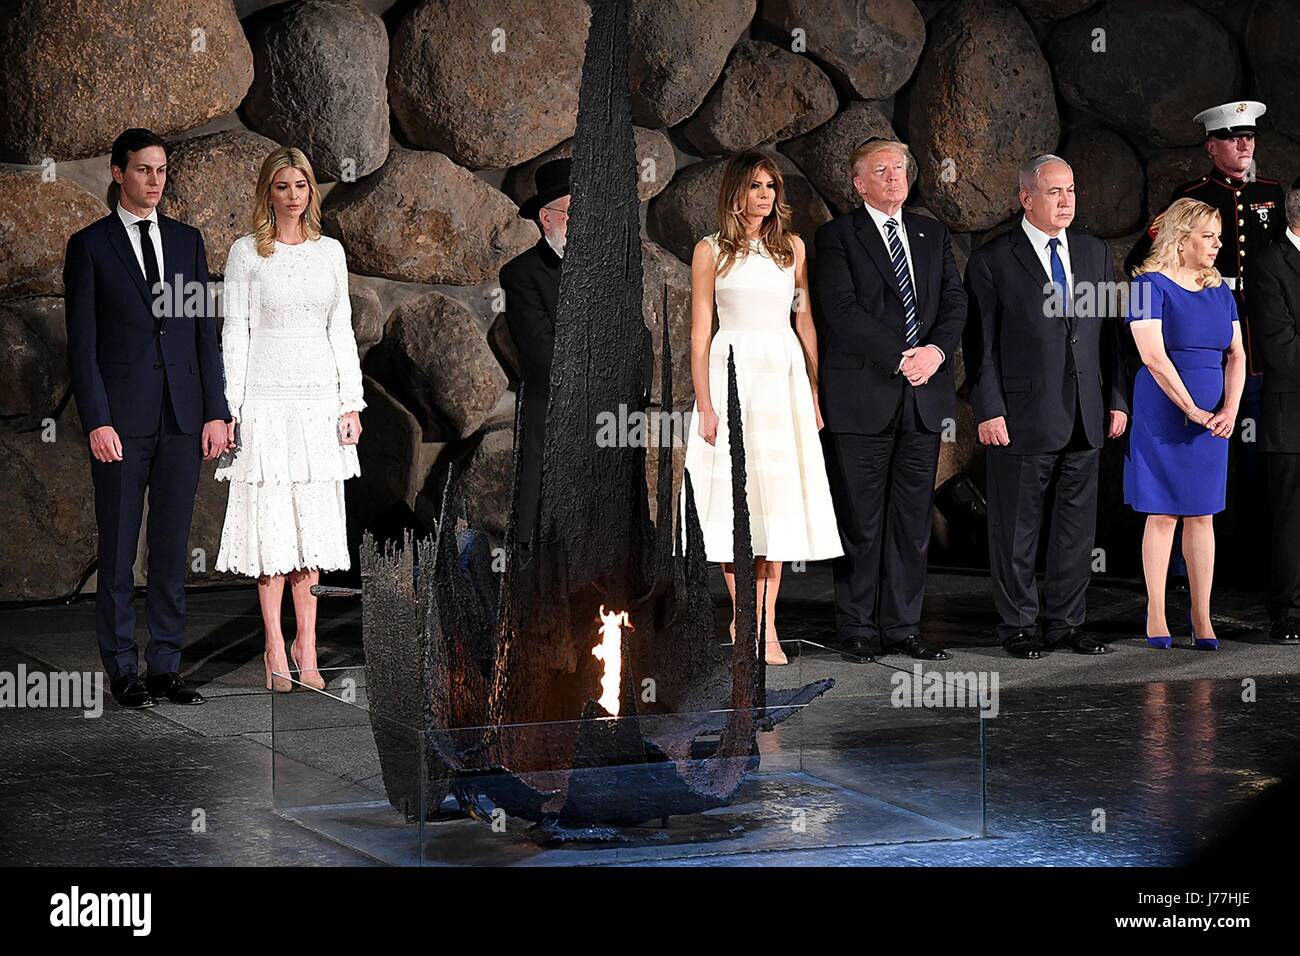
[531, 282]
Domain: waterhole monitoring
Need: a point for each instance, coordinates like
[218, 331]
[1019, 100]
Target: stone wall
[425, 119]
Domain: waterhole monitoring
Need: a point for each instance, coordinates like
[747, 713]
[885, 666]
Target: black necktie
[150, 259]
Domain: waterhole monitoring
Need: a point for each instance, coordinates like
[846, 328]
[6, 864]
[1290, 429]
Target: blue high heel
[1164, 643]
[1201, 643]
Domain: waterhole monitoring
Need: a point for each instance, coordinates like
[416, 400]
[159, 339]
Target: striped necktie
[899, 259]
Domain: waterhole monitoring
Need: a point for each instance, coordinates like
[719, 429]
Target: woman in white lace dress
[293, 383]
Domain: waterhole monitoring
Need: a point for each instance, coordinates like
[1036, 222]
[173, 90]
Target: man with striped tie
[891, 312]
[1047, 387]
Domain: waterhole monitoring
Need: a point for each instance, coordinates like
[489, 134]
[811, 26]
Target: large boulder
[654, 449]
[37, 215]
[489, 84]
[33, 360]
[676, 51]
[487, 483]
[1277, 157]
[367, 316]
[824, 154]
[766, 94]
[982, 105]
[1271, 48]
[1167, 169]
[870, 47]
[1108, 181]
[1120, 247]
[662, 271]
[435, 361]
[1164, 61]
[1053, 9]
[77, 72]
[655, 164]
[321, 84]
[212, 185]
[687, 210]
[46, 511]
[210, 501]
[422, 218]
[389, 454]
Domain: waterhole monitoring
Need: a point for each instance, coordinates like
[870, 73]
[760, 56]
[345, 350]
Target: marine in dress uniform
[1251, 210]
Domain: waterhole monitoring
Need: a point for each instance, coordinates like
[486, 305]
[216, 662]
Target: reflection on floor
[1138, 757]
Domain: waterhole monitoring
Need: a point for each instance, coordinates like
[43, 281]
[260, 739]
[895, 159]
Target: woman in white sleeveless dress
[293, 384]
[755, 269]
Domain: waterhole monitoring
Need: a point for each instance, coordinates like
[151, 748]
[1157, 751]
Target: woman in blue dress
[1185, 399]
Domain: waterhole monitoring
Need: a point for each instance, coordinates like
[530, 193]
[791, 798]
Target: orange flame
[610, 650]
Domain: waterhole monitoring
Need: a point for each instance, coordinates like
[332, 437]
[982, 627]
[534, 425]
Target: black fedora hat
[552, 180]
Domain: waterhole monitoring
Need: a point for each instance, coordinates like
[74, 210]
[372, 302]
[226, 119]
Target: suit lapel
[1024, 251]
[1028, 256]
[919, 246]
[117, 238]
[1291, 255]
[1091, 273]
[874, 243]
[172, 240]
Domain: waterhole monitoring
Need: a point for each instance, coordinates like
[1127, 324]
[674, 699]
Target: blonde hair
[875, 145]
[1172, 226]
[733, 195]
[264, 215]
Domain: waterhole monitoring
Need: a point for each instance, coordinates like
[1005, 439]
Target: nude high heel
[274, 682]
[315, 682]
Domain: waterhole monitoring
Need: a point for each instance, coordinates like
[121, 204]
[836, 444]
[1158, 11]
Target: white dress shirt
[1039, 240]
[129, 219]
[879, 218]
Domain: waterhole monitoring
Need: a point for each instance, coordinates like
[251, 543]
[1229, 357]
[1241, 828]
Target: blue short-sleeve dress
[1173, 466]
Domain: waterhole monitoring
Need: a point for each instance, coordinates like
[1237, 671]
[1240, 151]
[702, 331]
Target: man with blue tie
[1047, 386]
[148, 382]
[891, 309]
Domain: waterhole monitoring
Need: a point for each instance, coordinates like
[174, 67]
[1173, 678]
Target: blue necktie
[1058, 275]
[899, 259]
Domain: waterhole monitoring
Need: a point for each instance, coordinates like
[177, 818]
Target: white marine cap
[1230, 118]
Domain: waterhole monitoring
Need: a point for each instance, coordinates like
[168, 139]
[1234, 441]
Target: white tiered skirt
[286, 507]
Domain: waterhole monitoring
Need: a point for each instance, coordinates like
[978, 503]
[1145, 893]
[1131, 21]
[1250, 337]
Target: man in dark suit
[1274, 300]
[147, 377]
[531, 282]
[891, 313]
[1047, 387]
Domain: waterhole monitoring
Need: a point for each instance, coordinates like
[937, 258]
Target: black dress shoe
[1285, 631]
[1080, 643]
[1024, 644]
[857, 650]
[173, 687]
[130, 691]
[913, 646]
